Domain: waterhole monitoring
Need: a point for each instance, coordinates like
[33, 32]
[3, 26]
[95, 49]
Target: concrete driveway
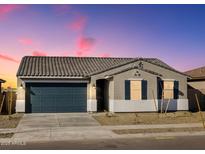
[59, 126]
[56, 120]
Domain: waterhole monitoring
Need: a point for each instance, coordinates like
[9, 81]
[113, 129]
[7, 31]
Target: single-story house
[1, 81]
[196, 85]
[94, 84]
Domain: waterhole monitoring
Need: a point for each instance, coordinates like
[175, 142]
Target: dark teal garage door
[56, 97]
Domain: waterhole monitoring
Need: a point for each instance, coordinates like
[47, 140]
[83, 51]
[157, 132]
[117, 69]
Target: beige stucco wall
[152, 80]
[196, 87]
[200, 85]
[116, 84]
[119, 79]
[167, 74]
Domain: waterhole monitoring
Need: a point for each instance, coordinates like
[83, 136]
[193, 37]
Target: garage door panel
[37, 100]
[36, 109]
[57, 97]
[48, 109]
[48, 101]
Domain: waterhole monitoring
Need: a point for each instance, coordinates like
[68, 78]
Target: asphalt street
[154, 143]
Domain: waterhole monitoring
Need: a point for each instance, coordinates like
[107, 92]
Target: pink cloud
[25, 41]
[85, 46]
[86, 43]
[105, 55]
[9, 58]
[8, 8]
[39, 53]
[78, 24]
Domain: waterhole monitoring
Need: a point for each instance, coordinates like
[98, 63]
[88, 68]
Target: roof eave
[140, 59]
[2, 81]
[196, 79]
[53, 77]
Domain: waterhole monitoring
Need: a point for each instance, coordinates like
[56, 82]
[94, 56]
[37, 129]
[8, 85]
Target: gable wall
[119, 81]
[118, 91]
[196, 87]
[167, 74]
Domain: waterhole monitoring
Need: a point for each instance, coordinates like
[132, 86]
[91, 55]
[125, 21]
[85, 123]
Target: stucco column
[111, 96]
[91, 97]
[20, 102]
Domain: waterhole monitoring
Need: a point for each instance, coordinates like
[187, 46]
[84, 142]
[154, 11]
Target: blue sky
[172, 33]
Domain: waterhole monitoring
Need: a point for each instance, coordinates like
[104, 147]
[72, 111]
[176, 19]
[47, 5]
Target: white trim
[56, 81]
[145, 105]
[135, 79]
[20, 105]
[134, 105]
[182, 104]
[111, 106]
[49, 77]
[169, 79]
[91, 105]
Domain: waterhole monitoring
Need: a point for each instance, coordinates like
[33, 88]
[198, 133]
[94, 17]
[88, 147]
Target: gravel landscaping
[10, 121]
[157, 130]
[147, 118]
[6, 135]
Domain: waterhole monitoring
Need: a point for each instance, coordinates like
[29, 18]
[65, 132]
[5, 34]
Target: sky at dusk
[172, 33]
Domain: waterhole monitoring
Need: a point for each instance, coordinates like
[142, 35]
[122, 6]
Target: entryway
[102, 94]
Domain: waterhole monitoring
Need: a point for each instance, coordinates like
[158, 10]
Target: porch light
[108, 77]
[94, 85]
[21, 86]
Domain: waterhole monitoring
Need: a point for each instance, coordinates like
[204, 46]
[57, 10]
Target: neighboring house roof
[2, 81]
[198, 73]
[37, 66]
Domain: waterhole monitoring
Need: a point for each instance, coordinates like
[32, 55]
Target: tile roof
[198, 73]
[37, 66]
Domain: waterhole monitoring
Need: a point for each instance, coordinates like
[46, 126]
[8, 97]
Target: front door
[102, 94]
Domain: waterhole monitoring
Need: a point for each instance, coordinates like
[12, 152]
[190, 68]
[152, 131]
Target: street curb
[116, 136]
[2, 130]
[105, 129]
[108, 127]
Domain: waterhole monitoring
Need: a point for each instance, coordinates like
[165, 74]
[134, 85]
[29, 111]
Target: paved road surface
[178, 143]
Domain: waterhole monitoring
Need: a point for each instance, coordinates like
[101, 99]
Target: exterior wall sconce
[108, 77]
[94, 85]
[22, 86]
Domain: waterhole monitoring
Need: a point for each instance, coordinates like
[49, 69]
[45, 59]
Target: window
[135, 89]
[168, 89]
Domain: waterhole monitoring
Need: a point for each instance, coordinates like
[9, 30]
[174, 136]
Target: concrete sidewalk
[92, 132]
[111, 127]
[188, 125]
